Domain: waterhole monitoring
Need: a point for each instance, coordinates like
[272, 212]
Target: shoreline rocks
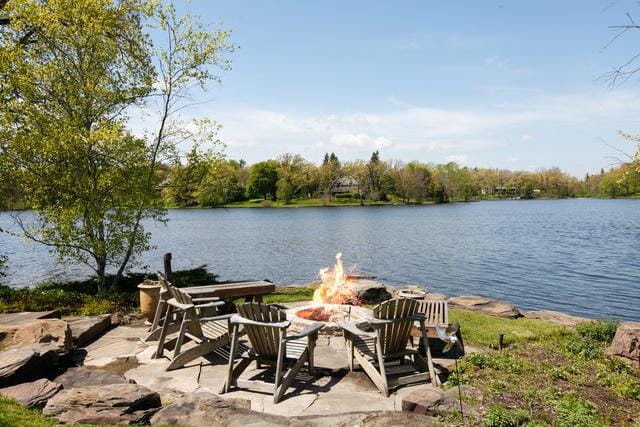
[626, 343]
[488, 306]
[556, 317]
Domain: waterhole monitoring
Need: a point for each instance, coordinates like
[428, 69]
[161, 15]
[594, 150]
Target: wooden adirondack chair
[266, 328]
[166, 293]
[207, 334]
[436, 313]
[377, 351]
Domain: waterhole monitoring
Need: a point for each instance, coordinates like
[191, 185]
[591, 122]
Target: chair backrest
[436, 312]
[395, 336]
[264, 340]
[183, 298]
[165, 285]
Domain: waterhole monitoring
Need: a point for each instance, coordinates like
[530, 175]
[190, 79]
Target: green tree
[221, 184]
[263, 179]
[527, 191]
[64, 105]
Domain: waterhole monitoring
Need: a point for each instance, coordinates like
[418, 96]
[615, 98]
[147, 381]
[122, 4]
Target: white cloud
[360, 141]
[460, 159]
[425, 133]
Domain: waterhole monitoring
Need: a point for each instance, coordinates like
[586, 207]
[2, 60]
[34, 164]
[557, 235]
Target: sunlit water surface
[577, 256]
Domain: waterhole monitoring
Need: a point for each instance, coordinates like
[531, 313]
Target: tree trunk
[101, 272]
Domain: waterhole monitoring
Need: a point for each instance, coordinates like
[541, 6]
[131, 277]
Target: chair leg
[163, 334]
[232, 355]
[311, 347]
[383, 374]
[432, 372]
[181, 334]
[282, 351]
[350, 353]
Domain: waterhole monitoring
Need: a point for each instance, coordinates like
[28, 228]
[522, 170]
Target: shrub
[497, 416]
[584, 347]
[576, 412]
[620, 377]
[600, 331]
[345, 196]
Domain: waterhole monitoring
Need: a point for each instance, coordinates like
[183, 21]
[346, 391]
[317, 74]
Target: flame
[336, 287]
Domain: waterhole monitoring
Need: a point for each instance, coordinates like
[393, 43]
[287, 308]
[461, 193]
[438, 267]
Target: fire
[336, 288]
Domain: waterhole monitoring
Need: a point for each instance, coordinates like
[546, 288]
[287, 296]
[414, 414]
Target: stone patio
[334, 390]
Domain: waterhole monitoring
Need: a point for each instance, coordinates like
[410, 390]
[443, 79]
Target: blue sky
[508, 84]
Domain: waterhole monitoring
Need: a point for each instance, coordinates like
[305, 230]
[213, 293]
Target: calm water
[577, 256]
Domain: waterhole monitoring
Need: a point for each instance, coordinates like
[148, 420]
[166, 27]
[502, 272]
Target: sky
[507, 84]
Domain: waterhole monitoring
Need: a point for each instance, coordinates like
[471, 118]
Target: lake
[578, 256]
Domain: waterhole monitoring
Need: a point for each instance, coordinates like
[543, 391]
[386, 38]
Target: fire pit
[334, 301]
[329, 314]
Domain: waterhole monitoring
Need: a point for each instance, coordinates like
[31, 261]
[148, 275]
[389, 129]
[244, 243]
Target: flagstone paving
[333, 390]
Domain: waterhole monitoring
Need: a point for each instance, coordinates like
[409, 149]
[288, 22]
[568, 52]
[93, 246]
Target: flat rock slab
[157, 378]
[27, 363]
[626, 343]
[556, 317]
[432, 401]
[27, 316]
[41, 331]
[86, 330]
[83, 377]
[488, 306]
[33, 394]
[208, 409]
[109, 404]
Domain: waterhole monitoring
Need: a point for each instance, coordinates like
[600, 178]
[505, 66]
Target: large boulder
[556, 317]
[41, 331]
[83, 377]
[199, 409]
[33, 394]
[27, 363]
[371, 291]
[109, 404]
[432, 401]
[626, 343]
[85, 330]
[488, 306]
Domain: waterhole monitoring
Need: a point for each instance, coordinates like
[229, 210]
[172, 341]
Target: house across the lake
[344, 184]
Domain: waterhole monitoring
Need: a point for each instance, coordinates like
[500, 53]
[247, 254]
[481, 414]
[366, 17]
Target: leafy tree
[221, 184]
[527, 191]
[72, 70]
[262, 180]
[185, 181]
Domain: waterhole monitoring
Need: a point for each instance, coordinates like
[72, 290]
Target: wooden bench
[252, 291]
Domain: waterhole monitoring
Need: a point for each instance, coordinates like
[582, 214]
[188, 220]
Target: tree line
[206, 180]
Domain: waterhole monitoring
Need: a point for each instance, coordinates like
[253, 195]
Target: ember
[318, 314]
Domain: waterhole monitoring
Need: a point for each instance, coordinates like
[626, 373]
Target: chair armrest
[306, 331]
[210, 299]
[210, 304]
[172, 302]
[353, 329]
[221, 317]
[380, 322]
[242, 321]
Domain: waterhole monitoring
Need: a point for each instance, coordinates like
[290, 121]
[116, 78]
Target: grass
[552, 374]
[304, 202]
[484, 330]
[13, 414]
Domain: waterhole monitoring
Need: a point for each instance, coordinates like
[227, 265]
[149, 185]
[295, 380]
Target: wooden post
[167, 266]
